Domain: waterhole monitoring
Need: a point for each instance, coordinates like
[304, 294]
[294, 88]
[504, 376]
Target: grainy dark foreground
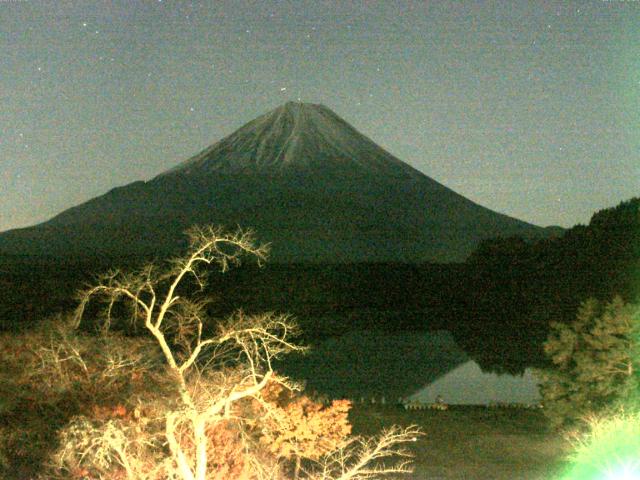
[473, 443]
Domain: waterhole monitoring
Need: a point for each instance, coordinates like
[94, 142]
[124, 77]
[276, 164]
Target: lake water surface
[420, 365]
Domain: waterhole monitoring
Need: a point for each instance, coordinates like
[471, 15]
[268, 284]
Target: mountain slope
[304, 179]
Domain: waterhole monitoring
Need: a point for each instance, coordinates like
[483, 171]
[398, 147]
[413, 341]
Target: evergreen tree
[593, 362]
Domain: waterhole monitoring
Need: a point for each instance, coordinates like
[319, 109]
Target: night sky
[531, 108]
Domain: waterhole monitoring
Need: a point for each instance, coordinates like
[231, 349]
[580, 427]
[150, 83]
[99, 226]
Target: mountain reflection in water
[416, 365]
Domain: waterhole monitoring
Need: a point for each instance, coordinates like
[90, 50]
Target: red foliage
[296, 426]
[226, 453]
[282, 424]
[104, 413]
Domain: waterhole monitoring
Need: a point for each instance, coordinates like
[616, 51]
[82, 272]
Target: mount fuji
[300, 176]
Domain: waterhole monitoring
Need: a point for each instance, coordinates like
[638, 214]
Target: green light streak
[610, 451]
[628, 471]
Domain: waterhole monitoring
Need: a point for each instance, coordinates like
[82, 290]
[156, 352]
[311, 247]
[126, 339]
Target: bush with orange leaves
[295, 427]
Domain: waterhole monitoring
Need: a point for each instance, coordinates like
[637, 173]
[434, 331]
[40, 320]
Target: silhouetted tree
[518, 288]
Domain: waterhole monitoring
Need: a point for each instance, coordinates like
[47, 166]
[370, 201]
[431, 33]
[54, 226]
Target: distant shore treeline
[518, 288]
[498, 304]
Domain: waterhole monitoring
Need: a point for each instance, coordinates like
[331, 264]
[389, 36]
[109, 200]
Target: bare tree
[364, 459]
[212, 375]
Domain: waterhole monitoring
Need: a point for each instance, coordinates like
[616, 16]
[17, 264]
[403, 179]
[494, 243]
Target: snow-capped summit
[296, 138]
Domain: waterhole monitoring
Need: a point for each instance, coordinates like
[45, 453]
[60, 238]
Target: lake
[420, 365]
